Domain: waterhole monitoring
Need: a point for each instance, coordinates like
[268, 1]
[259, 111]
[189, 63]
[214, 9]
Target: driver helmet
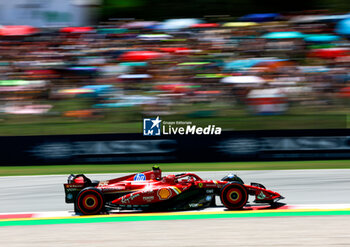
[157, 172]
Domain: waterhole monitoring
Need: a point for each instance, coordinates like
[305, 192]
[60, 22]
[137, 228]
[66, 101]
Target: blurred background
[100, 66]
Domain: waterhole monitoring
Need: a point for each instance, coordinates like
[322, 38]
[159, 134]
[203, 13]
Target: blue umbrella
[263, 17]
[111, 30]
[283, 35]
[243, 64]
[319, 38]
[83, 68]
[176, 24]
[343, 27]
[313, 69]
[333, 18]
[113, 105]
[135, 64]
[99, 89]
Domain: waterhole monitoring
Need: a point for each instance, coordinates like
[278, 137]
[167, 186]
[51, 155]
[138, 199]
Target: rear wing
[75, 183]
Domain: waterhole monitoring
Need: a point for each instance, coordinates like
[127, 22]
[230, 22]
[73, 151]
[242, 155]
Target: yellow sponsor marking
[164, 193]
[177, 189]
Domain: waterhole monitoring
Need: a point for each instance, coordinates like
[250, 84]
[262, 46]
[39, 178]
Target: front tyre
[89, 201]
[234, 196]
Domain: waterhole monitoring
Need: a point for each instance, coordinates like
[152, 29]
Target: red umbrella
[272, 65]
[205, 25]
[174, 88]
[17, 30]
[208, 92]
[174, 49]
[140, 55]
[344, 92]
[329, 53]
[76, 29]
[40, 72]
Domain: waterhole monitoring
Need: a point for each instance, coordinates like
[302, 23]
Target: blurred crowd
[265, 63]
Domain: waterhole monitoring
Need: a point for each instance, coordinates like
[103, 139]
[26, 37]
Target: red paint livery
[150, 191]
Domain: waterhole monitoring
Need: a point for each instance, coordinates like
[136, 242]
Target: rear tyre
[234, 196]
[89, 201]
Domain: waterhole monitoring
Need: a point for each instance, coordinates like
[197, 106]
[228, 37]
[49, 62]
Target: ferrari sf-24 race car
[149, 191]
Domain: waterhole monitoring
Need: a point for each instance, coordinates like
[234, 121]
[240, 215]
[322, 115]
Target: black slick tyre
[89, 201]
[234, 196]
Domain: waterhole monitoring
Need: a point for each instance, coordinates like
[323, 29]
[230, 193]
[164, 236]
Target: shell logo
[164, 193]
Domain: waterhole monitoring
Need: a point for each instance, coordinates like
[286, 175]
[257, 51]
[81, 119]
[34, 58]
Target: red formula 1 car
[149, 191]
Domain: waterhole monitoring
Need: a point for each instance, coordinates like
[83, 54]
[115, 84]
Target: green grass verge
[173, 167]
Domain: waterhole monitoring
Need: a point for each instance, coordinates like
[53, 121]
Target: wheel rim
[90, 202]
[234, 195]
